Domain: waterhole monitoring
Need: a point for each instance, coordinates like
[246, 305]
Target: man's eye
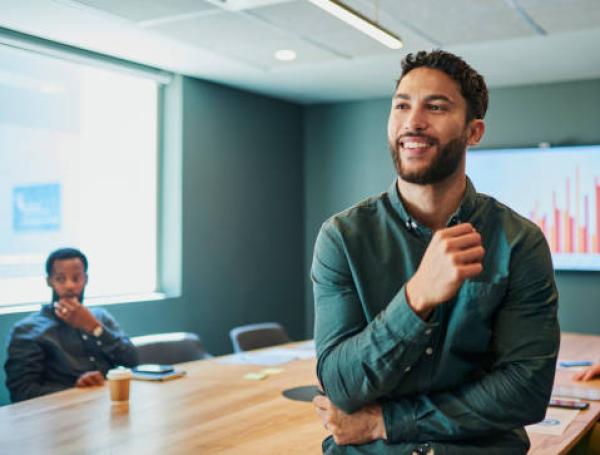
[437, 107]
[402, 106]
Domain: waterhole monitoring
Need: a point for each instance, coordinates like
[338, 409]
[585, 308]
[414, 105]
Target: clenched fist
[454, 255]
[70, 310]
[363, 426]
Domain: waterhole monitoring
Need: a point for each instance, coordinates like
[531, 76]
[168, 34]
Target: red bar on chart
[568, 233]
[556, 228]
[581, 240]
[542, 225]
[596, 246]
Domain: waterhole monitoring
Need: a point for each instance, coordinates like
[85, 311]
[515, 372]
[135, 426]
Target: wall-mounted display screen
[557, 188]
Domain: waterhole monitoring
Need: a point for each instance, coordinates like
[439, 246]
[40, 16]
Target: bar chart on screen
[556, 188]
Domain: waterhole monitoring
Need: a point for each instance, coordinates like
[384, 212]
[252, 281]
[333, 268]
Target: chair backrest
[256, 336]
[169, 348]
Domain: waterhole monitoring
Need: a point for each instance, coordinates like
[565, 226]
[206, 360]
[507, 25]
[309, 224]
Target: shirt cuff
[107, 338]
[400, 421]
[404, 322]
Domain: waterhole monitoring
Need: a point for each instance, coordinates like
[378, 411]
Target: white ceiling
[511, 42]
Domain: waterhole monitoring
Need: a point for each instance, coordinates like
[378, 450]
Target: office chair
[169, 348]
[256, 336]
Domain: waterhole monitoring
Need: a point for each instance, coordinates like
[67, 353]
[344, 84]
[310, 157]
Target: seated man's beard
[443, 165]
[56, 298]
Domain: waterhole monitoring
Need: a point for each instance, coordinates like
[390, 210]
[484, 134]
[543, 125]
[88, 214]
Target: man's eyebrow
[438, 98]
[404, 96]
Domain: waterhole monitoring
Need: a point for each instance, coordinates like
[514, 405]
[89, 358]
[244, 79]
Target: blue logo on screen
[36, 208]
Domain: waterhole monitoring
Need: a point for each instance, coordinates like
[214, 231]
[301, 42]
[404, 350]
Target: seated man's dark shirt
[46, 355]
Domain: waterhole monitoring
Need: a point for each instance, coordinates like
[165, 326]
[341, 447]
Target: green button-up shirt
[478, 370]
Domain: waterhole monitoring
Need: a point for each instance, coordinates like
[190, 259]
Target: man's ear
[48, 282]
[475, 131]
[86, 279]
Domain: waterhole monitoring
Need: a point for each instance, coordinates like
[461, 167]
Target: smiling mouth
[416, 142]
[415, 145]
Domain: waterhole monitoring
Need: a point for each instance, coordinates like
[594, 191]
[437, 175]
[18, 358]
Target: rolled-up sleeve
[358, 362]
[114, 344]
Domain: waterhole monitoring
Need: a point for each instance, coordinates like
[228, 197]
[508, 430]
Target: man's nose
[415, 120]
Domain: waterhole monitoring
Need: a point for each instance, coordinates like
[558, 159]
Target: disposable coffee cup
[118, 383]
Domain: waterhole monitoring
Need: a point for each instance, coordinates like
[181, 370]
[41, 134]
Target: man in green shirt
[436, 308]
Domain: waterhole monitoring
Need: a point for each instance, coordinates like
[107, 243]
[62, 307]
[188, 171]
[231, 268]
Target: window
[78, 167]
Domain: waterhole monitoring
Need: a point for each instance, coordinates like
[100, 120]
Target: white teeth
[415, 145]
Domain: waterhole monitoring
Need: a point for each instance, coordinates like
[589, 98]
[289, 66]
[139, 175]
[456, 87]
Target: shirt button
[92, 358]
[428, 332]
[407, 369]
[84, 336]
[413, 225]
[429, 351]
[99, 343]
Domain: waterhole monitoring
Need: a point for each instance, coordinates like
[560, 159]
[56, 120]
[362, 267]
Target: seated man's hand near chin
[72, 312]
[364, 426]
[90, 379]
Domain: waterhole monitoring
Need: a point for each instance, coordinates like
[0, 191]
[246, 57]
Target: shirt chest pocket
[472, 315]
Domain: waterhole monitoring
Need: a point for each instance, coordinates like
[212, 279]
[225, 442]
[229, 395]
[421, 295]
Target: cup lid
[119, 373]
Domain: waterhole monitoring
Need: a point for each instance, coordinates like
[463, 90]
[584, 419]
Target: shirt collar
[462, 214]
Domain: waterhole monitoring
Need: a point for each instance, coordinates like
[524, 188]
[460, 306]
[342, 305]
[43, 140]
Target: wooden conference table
[212, 410]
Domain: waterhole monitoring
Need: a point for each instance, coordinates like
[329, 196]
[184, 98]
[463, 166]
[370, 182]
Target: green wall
[346, 159]
[242, 220]
[242, 211]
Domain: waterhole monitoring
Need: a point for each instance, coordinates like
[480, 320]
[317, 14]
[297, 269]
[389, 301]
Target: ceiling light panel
[143, 10]
[312, 23]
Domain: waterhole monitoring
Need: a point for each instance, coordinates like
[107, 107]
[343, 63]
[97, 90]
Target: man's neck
[433, 204]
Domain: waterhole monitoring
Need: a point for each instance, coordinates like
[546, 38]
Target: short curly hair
[65, 253]
[472, 85]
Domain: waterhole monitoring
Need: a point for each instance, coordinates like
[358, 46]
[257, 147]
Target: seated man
[64, 344]
[436, 326]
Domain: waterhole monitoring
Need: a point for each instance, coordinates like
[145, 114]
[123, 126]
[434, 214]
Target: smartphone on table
[568, 404]
[152, 368]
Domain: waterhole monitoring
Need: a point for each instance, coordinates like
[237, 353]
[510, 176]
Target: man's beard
[56, 298]
[444, 164]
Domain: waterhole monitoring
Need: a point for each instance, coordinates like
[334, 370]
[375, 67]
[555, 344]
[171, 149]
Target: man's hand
[588, 373]
[454, 254]
[70, 310]
[362, 427]
[89, 379]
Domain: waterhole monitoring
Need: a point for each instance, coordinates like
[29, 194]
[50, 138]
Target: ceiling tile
[244, 38]
[458, 21]
[559, 16]
[142, 10]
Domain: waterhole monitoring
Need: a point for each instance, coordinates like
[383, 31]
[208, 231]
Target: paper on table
[584, 393]
[270, 357]
[555, 423]
[307, 346]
